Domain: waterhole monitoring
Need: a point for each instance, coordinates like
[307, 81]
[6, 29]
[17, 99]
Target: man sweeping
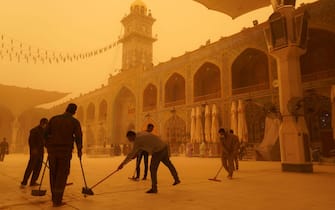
[145, 141]
[145, 156]
[36, 152]
[229, 144]
[62, 132]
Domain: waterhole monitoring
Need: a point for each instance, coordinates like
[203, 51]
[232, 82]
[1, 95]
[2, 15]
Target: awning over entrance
[234, 8]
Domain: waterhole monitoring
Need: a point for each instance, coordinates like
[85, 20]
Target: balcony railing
[251, 88]
[175, 103]
[207, 97]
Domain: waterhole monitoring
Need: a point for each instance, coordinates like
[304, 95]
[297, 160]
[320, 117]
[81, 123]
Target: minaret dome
[138, 7]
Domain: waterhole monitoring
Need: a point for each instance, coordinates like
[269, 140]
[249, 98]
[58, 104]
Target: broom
[40, 192]
[215, 177]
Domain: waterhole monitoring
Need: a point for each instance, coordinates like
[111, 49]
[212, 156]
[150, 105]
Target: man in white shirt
[145, 141]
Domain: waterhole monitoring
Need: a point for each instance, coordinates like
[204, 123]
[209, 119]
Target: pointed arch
[318, 113]
[206, 83]
[319, 60]
[175, 90]
[150, 97]
[175, 132]
[255, 119]
[102, 141]
[89, 136]
[103, 110]
[125, 115]
[90, 112]
[250, 71]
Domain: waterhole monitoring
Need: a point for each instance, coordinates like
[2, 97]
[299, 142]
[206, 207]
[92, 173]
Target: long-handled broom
[40, 192]
[215, 177]
[88, 191]
[46, 164]
[85, 189]
[135, 172]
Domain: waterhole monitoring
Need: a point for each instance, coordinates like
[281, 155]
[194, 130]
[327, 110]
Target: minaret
[137, 39]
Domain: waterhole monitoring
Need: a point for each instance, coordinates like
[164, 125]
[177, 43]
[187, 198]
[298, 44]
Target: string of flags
[20, 52]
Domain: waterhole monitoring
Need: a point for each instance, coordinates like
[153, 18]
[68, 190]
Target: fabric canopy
[192, 132]
[242, 129]
[233, 117]
[207, 124]
[234, 8]
[199, 132]
[215, 125]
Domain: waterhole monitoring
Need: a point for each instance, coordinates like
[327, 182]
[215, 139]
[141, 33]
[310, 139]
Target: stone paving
[256, 186]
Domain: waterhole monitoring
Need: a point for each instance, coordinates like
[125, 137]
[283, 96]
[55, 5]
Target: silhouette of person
[62, 131]
[145, 141]
[145, 156]
[36, 143]
[3, 149]
[229, 150]
[237, 152]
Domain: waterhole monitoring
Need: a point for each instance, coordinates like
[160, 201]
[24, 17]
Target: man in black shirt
[36, 151]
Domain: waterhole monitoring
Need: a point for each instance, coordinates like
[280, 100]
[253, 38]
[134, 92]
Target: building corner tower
[137, 39]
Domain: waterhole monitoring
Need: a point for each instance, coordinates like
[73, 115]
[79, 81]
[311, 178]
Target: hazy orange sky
[75, 26]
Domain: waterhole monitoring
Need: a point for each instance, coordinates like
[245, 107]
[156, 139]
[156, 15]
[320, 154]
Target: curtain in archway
[233, 117]
[242, 129]
[215, 125]
[192, 131]
[207, 124]
[199, 133]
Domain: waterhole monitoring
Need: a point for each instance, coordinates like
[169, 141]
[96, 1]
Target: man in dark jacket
[237, 147]
[229, 144]
[36, 143]
[145, 141]
[62, 131]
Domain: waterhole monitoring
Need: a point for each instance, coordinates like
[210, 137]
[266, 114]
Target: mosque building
[192, 95]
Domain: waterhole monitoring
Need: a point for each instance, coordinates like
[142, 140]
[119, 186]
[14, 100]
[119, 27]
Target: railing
[207, 97]
[251, 88]
[175, 103]
[149, 108]
[318, 75]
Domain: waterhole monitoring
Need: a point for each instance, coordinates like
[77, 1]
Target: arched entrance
[175, 131]
[250, 71]
[319, 60]
[175, 90]
[150, 98]
[207, 83]
[317, 110]
[124, 117]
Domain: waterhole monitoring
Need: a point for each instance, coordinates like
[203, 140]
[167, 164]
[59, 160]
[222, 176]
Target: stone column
[293, 134]
[286, 39]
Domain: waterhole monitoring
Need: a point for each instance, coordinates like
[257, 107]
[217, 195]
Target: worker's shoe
[135, 179]
[176, 182]
[34, 184]
[58, 204]
[152, 190]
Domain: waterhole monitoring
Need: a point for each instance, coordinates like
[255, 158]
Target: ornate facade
[233, 68]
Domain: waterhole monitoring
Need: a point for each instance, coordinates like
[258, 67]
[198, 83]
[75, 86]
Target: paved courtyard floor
[255, 186]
